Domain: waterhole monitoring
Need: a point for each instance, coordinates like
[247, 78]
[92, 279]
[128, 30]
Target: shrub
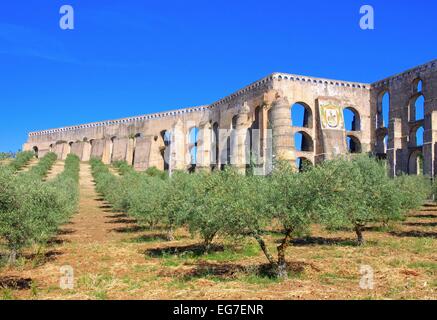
[21, 160]
[413, 191]
[31, 210]
[354, 193]
[208, 204]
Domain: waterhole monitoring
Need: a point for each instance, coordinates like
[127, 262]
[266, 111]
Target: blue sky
[134, 57]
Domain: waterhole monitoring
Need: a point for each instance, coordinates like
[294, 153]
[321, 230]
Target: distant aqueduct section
[298, 118]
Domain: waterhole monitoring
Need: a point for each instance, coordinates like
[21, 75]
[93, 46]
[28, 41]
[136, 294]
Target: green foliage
[43, 166]
[413, 190]
[21, 160]
[31, 210]
[209, 203]
[339, 193]
[123, 167]
[6, 155]
[353, 193]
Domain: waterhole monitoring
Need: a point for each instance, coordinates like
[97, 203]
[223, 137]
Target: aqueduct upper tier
[298, 118]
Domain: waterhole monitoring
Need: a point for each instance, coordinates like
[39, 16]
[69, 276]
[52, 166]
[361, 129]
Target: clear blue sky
[134, 57]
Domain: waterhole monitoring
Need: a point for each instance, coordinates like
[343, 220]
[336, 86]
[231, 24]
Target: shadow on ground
[15, 283]
[414, 234]
[194, 250]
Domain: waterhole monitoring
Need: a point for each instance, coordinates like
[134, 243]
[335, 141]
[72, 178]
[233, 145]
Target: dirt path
[29, 165]
[56, 169]
[94, 222]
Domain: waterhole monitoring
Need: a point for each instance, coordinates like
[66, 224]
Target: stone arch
[301, 115]
[353, 144]
[35, 150]
[417, 85]
[415, 162]
[303, 163]
[416, 136]
[352, 119]
[416, 107]
[303, 142]
[383, 110]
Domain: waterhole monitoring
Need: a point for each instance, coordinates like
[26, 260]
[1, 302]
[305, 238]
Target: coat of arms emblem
[331, 116]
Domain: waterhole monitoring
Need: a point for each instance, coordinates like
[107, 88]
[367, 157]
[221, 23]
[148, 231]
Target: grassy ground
[114, 258]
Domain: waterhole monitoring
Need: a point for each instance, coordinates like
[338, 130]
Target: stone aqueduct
[165, 140]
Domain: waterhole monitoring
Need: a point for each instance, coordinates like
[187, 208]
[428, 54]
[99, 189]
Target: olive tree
[208, 204]
[285, 197]
[355, 192]
[413, 190]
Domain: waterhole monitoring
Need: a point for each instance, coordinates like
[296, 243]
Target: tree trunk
[12, 257]
[359, 232]
[208, 242]
[282, 263]
[170, 234]
[263, 246]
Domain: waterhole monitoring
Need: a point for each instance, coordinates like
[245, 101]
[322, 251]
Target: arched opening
[215, 150]
[381, 145]
[351, 119]
[419, 108]
[35, 150]
[419, 137]
[301, 115]
[383, 110]
[165, 150]
[417, 85]
[85, 139]
[303, 142]
[415, 163]
[353, 144]
[193, 144]
[303, 164]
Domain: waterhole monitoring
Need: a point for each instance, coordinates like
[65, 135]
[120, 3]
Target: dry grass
[113, 258]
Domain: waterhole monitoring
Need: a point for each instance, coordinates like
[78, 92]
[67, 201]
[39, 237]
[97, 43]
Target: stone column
[204, 147]
[107, 151]
[394, 150]
[130, 150]
[178, 159]
[283, 143]
[429, 143]
[241, 149]
[86, 151]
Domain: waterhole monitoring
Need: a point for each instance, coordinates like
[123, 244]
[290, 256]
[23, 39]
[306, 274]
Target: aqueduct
[395, 118]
